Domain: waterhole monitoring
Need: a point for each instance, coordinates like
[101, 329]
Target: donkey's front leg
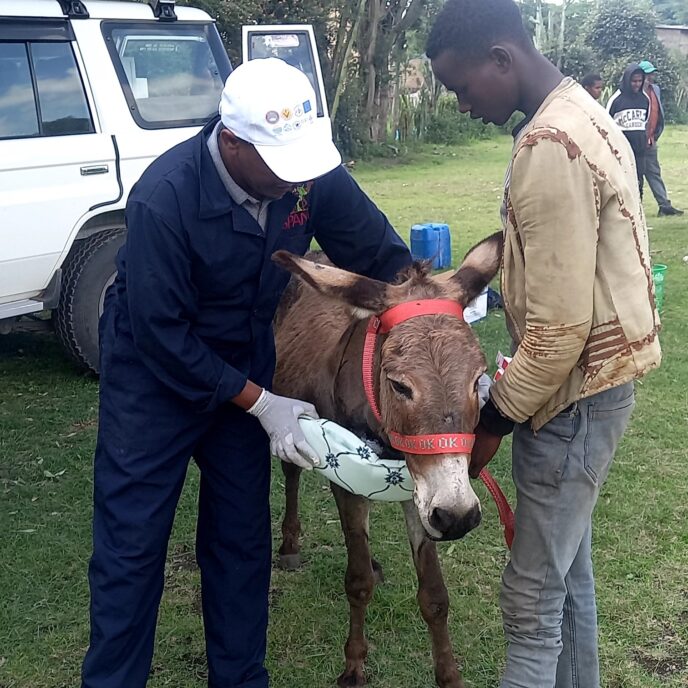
[359, 581]
[432, 599]
[289, 554]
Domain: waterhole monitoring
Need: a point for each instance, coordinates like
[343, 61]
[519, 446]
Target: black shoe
[669, 210]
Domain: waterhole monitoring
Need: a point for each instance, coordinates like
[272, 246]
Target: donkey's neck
[347, 385]
[352, 409]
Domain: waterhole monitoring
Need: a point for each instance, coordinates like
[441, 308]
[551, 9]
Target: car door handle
[88, 170]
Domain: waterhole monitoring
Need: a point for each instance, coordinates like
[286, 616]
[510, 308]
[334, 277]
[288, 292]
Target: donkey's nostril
[473, 518]
[451, 526]
[441, 519]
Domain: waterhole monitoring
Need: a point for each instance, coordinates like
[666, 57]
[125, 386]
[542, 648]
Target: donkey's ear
[365, 296]
[479, 266]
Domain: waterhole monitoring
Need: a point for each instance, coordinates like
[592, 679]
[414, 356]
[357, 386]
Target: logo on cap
[286, 113]
[306, 105]
[271, 117]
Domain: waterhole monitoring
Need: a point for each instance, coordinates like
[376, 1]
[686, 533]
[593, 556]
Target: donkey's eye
[401, 389]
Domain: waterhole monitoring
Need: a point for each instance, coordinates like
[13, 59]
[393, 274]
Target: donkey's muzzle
[451, 526]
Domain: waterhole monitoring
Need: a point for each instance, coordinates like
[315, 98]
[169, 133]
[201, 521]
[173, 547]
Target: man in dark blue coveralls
[187, 357]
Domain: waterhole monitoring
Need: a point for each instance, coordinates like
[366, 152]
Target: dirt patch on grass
[197, 664]
[197, 603]
[182, 558]
[274, 596]
[82, 425]
[614, 682]
[180, 580]
[194, 664]
[662, 667]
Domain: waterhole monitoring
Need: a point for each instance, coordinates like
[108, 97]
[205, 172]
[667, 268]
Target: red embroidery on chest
[300, 214]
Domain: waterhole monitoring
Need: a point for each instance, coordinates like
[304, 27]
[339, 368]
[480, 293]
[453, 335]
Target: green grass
[47, 433]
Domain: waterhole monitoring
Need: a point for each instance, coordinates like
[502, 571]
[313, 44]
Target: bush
[579, 60]
[679, 112]
[447, 126]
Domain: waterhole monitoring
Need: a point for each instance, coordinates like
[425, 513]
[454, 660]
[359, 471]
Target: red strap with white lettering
[451, 443]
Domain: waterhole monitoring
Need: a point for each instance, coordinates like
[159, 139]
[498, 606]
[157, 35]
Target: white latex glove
[279, 418]
[484, 384]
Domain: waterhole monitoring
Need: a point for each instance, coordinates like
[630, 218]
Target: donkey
[424, 379]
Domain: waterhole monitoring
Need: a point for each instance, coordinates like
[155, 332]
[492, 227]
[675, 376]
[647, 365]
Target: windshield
[172, 75]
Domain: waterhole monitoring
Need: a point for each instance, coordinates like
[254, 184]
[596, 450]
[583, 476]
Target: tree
[365, 47]
[672, 11]
[362, 46]
[556, 32]
[623, 31]
[382, 47]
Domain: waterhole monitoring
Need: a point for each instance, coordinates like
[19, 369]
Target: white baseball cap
[272, 105]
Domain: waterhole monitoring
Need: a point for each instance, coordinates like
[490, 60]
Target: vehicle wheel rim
[101, 301]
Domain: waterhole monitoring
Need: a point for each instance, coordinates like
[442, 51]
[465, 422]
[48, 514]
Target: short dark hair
[471, 27]
[590, 79]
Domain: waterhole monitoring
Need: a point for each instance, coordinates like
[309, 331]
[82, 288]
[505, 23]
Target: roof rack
[74, 9]
[163, 9]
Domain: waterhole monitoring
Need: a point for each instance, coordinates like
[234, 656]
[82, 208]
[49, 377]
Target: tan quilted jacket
[576, 278]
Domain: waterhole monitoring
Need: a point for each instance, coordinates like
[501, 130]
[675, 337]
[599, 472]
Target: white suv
[91, 91]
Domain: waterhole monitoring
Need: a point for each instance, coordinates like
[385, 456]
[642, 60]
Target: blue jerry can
[432, 241]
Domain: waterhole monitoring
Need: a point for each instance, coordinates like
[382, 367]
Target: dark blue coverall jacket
[186, 323]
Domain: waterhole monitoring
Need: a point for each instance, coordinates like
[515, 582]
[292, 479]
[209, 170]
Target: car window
[18, 114]
[172, 75]
[63, 106]
[294, 48]
[52, 102]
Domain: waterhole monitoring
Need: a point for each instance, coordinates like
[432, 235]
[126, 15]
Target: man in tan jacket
[578, 295]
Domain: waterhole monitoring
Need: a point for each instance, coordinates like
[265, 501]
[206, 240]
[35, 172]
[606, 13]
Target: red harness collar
[450, 443]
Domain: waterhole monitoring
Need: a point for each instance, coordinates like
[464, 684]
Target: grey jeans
[653, 174]
[548, 590]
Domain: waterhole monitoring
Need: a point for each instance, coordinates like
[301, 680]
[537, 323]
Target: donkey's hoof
[290, 562]
[352, 677]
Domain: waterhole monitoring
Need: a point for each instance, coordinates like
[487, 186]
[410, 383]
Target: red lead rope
[506, 515]
[459, 443]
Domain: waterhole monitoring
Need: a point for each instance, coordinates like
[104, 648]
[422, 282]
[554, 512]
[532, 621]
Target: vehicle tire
[86, 274]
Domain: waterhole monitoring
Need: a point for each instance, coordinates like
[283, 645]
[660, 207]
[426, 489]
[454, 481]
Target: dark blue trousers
[146, 438]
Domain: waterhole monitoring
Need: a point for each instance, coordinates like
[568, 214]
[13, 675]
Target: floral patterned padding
[349, 462]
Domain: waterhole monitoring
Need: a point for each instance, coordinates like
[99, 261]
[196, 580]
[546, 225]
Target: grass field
[48, 414]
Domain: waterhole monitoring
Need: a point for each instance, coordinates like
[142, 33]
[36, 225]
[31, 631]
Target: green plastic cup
[658, 276]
